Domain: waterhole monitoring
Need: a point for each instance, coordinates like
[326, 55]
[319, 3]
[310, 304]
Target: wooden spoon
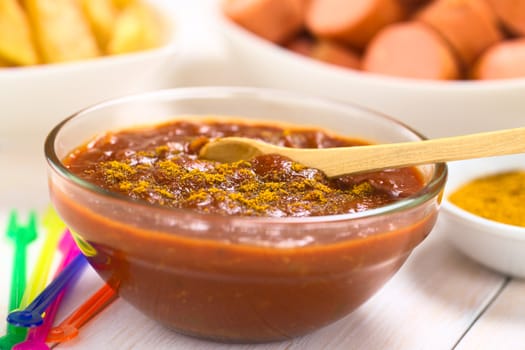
[343, 160]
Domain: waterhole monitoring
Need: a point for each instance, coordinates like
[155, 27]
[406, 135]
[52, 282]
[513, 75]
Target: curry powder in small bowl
[483, 212]
[499, 197]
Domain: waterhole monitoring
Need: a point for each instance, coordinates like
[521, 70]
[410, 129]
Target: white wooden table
[438, 300]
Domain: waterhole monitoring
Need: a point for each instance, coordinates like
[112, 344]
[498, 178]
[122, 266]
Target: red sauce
[210, 275]
[160, 165]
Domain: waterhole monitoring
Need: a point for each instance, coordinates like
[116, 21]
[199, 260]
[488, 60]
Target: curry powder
[499, 197]
[255, 193]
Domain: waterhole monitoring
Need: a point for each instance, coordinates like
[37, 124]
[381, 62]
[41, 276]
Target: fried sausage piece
[326, 51]
[412, 50]
[335, 53]
[502, 61]
[511, 13]
[353, 22]
[412, 5]
[302, 45]
[469, 26]
[275, 20]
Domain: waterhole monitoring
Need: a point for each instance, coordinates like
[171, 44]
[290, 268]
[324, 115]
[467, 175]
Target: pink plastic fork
[36, 337]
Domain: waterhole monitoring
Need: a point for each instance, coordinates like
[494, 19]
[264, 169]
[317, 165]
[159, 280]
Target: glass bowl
[231, 278]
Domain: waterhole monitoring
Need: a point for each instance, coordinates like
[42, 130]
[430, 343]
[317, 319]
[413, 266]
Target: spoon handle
[364, 158]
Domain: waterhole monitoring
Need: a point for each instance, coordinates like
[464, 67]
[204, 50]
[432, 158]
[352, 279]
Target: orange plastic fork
[69, 328]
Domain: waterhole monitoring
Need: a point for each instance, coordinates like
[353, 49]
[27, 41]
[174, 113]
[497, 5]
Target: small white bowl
[498, 246]
[34, 98]
[435, 108]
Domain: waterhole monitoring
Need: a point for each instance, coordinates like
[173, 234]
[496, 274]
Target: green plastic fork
[22, 236]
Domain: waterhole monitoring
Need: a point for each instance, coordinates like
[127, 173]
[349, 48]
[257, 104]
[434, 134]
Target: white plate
[498, 246]
[34, 99]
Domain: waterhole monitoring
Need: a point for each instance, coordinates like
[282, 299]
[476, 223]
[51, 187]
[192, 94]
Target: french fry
[16, 45]
[137, 28]
[122, 4]
[4, 63]
[52, 31]
[62, 32]
[101, 15]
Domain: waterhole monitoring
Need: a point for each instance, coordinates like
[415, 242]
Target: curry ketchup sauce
[248, 271]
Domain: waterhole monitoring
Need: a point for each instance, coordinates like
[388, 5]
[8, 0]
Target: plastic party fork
[36, 338]
[32, 315]
[54, 228]
[68, 329]
[21, 236]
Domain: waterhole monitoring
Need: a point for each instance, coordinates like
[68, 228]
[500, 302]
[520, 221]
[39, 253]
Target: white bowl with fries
[130, 52]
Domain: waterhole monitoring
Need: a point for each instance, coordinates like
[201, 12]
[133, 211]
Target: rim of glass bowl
[432, 188]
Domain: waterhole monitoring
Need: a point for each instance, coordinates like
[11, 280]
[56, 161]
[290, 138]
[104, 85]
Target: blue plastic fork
[31, 316]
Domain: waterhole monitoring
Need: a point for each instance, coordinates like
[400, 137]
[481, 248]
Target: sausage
[275, 20]
[353, 22]
[511, 13]
[410, 49]
[469, 26]
[326, 51]
[335, 53]
[302, 45]
[502, 61]
[412, 5]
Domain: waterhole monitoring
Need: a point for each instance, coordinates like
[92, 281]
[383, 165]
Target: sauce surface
[160, 165]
